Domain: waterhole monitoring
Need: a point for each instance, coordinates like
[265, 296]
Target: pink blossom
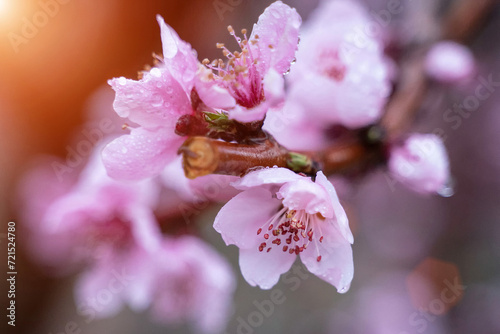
[448, 61]
[186, 280]
[285, 215]
[254, 76]
[420, 163]
[341, 75]
[102, 218]
[155, 103]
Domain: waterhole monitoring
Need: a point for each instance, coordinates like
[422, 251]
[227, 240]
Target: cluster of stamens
[239, 74]
[292, 229]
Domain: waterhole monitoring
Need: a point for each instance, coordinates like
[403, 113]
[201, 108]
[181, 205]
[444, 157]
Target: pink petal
[340, 215]
[336, 265]
[421, 163]
[277, 26]
[94, 283]
[304, 194]
[141, 154]
[179, 57]
[239, 220]
[244, 115]
[285, 123]
[158, 99]
[274, 87]
[449, 62]
[145, 227]
[264, 269]
[266, 176]
[211, 93]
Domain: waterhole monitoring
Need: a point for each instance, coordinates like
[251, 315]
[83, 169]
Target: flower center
[239, 75]
[331, 65]
[295, 229]
[114, 233]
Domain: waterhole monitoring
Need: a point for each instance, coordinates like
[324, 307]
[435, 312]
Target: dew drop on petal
[448, 189]
[122, 81]
[156, 72]
[344, 289]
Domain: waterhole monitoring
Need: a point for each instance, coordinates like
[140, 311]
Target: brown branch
[465, 18]
[203, 156]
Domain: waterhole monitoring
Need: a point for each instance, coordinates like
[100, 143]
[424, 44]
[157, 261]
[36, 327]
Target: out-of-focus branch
[465, 18]
[462, 21]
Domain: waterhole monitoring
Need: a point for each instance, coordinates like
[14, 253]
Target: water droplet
[170, 90]
[156, 101]
[122, 81]
[276, 14]
[448, 189]
[155, 72]
[345, 288]
[124, 150]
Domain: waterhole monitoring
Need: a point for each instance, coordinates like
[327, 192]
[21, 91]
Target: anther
[318, 258]
[259, 231]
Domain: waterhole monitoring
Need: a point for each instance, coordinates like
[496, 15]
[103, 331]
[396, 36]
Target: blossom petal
[244, 115]
[304, 194]
[211, 93]
[238, 220]
[144, 227]
[340, 214]
[158, 99]
[141, 154]
[448, 61]
[266, 176]
[286, 122]
[278, 27]
[89, 286]
[264, 268]
[179, 57]
[421, 163]
[336, 265]
[274, 87]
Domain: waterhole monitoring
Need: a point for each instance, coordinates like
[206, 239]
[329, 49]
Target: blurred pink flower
[448, 61]
[103, 220]
[254, 76]
[185, 280]
[420, 163]
[341, 75]
[285, 215]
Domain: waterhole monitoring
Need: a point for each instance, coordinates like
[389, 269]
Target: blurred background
[422, 264]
